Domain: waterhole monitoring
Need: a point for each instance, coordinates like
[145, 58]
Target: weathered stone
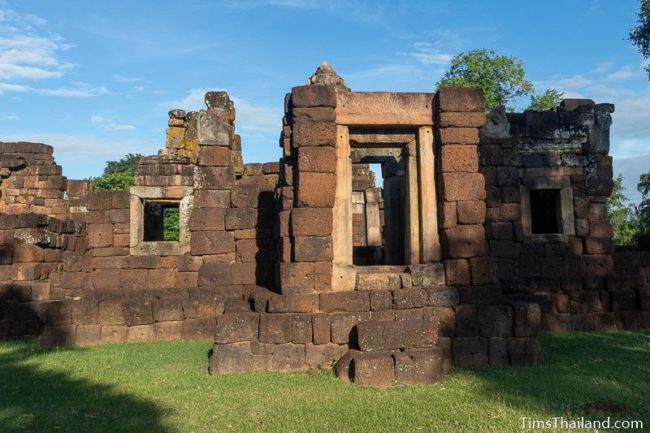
[374, 369]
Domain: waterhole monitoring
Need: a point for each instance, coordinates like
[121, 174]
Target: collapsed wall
[469, 240]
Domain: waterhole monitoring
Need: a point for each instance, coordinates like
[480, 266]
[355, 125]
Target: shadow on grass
[34, 398]
[590, 375]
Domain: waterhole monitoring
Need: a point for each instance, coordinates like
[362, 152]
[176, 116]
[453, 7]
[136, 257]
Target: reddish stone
[374, 369]
[471, 212]
[235, 327]
[212, 242]
[321, 328]
[311, 222]
[241, 218]
[470, 352]
[344, 301]
[312, 249]
[460, 99]
[459, 136]
[464, 241]
[463, 186]
[316, 190]
[215, 274]
[214, 156]
[207, 218]
[483, 270]
[100, 235]
[297, 277]
[211, 198]
[313, 96]
[317, 159]
[309, 134]
[458, 158]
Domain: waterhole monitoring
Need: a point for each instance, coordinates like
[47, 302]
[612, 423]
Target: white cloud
[604, 67]
[426, 54]
[27, 52]
[122, 79]
[110, 124]
[622, 74]
[8, 87]
[10, 117]
[73, 92]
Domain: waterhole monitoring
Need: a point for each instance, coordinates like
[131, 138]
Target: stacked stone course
[263, 264]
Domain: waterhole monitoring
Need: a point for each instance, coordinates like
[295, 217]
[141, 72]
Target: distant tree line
[631, 223]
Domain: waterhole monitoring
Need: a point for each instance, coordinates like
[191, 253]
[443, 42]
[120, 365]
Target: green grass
[164, 387]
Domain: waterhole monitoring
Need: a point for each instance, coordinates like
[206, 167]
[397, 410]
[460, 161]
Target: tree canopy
[546, 100]
[502, 78]
[118, 175]
[640, 35]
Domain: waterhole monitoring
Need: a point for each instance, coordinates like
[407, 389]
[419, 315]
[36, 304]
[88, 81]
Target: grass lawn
[164, 387]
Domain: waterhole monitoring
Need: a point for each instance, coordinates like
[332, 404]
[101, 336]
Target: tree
[640, 35]
[546, 100]
[643, 210]
[500, 77]
[621, 216]
[118, 175]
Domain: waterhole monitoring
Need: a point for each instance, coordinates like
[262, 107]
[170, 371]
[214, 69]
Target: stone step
[388, 269]
[386, 368]
[396, 335]
[383, 281]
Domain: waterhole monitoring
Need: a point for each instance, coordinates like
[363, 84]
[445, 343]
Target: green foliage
[502, 78]
[640, 35]
[621, 216]
[118, 175]
[171, 223]
[643, 210]
[546, 100]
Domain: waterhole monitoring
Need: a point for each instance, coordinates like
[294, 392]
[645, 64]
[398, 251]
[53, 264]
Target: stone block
[293, 303]
[498, 352]
[464, 241]
[496, 321]
[100, 235]
[458, 158]
[167, 310]
[316, 189]
[381, 300]
[212, 242]
[392, 335]
[275, 328]
[312, 249]
[322, 356]
[418, 366]
[470, 352]
[321, 324]
[442, 296]
[213, 178]
[314, 134]
[114, 333]
[524, 352]
[288, 357]
[232, 358]
[409, 298]
[141, 334]
[111, 313]
[463, 186]
[374, 369]
[313, 96]
[460, 99]
[344, 301]
[215, 274]
[207, 218]
[462, 119]
[471, 212]
[297, 278]
[459, 136]
[57, 336]
[311, 221]
[483, 270]
[623, 300]
[427, 275]
[527, 319]
[596, 265]
[87, 335]
[317, 159]
[317, 114]
[605, 322]
[240, 218]
[211, 198]
[342, 325]
[236, 327]
[168, 331]
[137, 312]
[467, 321]
[215, 156]
[457, 272]
[378, 282]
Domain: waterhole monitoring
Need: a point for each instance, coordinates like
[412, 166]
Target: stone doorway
[387, 216]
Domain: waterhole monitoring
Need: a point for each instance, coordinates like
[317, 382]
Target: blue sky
[96, 79]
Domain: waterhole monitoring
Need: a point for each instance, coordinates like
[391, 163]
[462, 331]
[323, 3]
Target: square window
[545, 211]
[161, 221]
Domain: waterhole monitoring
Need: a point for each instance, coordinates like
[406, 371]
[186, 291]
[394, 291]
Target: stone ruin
[477, 233]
